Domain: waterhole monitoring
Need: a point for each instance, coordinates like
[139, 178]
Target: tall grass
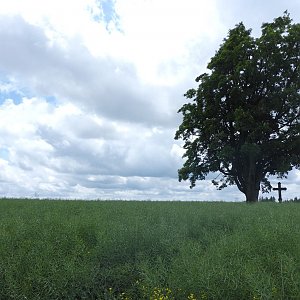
[148, 250]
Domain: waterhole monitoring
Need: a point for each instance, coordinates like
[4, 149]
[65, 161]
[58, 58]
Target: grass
[148, 250]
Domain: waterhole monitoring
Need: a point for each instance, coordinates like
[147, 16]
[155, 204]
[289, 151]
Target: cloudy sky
[89, 93]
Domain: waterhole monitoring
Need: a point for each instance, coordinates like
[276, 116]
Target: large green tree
[243, 120]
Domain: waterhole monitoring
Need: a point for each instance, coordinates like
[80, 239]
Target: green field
[148, 250]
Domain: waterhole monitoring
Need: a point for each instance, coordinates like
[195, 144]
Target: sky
[90, 89]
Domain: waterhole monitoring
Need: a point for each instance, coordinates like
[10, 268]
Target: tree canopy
[243, 120]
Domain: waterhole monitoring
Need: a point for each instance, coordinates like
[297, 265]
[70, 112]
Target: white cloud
[108, 86]
[90, 90]
[61, 145]
[157, 34]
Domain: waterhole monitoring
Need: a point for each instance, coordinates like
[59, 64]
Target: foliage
[148, 250]
[244, 118]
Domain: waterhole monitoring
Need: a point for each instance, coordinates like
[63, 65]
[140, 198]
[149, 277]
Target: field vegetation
[148, 250]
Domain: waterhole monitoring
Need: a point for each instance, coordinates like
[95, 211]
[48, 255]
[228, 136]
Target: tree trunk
[253, 183]
[252, 193]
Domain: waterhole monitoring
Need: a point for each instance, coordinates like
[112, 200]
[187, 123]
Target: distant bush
[273, 199]
[267, 199]
[294, 200]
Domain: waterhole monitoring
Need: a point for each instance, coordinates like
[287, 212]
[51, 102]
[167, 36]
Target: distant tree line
[273, 199]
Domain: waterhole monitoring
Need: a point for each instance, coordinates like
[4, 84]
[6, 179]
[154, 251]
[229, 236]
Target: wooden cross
[279, 189]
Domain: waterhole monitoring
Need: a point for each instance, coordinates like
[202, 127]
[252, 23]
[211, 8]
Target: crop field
[148, 250]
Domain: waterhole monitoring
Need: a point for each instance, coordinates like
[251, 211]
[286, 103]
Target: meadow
[148, 250]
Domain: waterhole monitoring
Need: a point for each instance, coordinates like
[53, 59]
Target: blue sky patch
[108, 10]
[9, 91]
[109, 13]
[14, 95]
[50, 99]
[4, 153]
